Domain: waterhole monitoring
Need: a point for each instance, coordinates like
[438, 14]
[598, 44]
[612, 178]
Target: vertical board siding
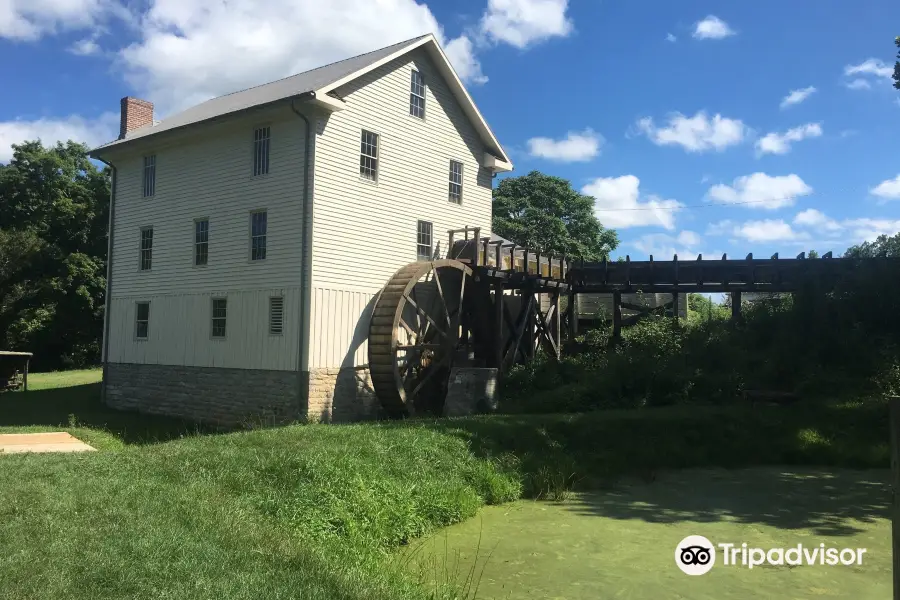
[363, 232]
[210, 174]
[180, 331]
[339, 336]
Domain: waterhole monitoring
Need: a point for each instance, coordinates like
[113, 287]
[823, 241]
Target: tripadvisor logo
[696, 555]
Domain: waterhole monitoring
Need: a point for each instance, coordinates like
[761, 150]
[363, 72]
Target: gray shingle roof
[270, 92]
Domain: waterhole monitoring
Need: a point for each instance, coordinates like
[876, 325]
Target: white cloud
[695, 134]
[817, 220]
[780, 143]
[665, 246]
[617, 203]
[760, 190]
[521, 23]
[767, 230]
[29, 20]
[797, 96]
[872, 66]
[867, 229]
[888, 189]
[858, 84]
[462, 56]
[92, 132]
[85, 47]
[671, 38]
[712, 28]
[847, 231]
[193, 50]
[576, 147]
[869, 71]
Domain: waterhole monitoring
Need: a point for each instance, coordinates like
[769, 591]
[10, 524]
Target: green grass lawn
[169, 510]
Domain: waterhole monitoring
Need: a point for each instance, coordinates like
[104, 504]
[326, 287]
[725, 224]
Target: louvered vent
[276, 315]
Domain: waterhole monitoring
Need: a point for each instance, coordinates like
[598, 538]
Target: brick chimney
[135, 113]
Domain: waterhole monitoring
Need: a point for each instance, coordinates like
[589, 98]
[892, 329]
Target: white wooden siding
[208, 173]
[180, 331]
[363, 232]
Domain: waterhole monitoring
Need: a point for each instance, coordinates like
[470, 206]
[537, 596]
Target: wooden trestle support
[492, 304]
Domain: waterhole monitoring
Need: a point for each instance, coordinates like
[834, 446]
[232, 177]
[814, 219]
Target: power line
[684, 206]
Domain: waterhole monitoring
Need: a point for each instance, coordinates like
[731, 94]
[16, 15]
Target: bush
[818, 342]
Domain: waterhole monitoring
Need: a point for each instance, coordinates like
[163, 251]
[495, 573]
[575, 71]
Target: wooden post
[498, 326]
[25, 375]
[529, 322]
[894, 404]
[735, 306]
[675, 305]
[617, 315]
[573, 314]
[554, 321]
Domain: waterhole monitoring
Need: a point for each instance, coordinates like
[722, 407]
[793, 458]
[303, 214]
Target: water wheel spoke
[429, 373]
[426, 316]
[409, 330]
[440, 290]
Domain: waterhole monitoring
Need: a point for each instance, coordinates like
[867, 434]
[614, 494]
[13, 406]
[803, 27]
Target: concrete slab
[58, 441]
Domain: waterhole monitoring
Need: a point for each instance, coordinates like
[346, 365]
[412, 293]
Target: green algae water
[620, 543]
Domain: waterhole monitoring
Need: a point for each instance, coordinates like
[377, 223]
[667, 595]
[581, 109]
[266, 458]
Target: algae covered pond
[620, 543]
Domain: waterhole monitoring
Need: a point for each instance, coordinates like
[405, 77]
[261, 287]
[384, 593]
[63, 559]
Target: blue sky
[699, 127]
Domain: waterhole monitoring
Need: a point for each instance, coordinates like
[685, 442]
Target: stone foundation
[209, 395]
[242, 397]
[342, 395]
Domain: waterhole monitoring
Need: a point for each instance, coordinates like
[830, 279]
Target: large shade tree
[53, 218]
[897, 64]
[546, 214]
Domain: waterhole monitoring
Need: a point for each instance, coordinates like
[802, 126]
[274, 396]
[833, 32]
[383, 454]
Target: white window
[368, 155]
[261, 151]
[417, 94]
[258, 228]
[423, 241]
[456, 179]
[142, 320]
[219, 314]
[149, 175]
[276, 315]
[146, 248]
[201, 242]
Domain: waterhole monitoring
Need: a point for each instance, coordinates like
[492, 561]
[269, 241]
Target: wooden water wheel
[415, 336]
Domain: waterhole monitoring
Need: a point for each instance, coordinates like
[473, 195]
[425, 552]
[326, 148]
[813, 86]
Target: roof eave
[309, 96]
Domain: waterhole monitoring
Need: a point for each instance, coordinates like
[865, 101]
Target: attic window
[417, 94]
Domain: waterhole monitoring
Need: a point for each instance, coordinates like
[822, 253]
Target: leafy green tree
[897, 64]
[53, 220]
[883, 247]
[546, 214]
[701, 308]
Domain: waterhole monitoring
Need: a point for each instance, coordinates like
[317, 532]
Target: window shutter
[276, 315]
